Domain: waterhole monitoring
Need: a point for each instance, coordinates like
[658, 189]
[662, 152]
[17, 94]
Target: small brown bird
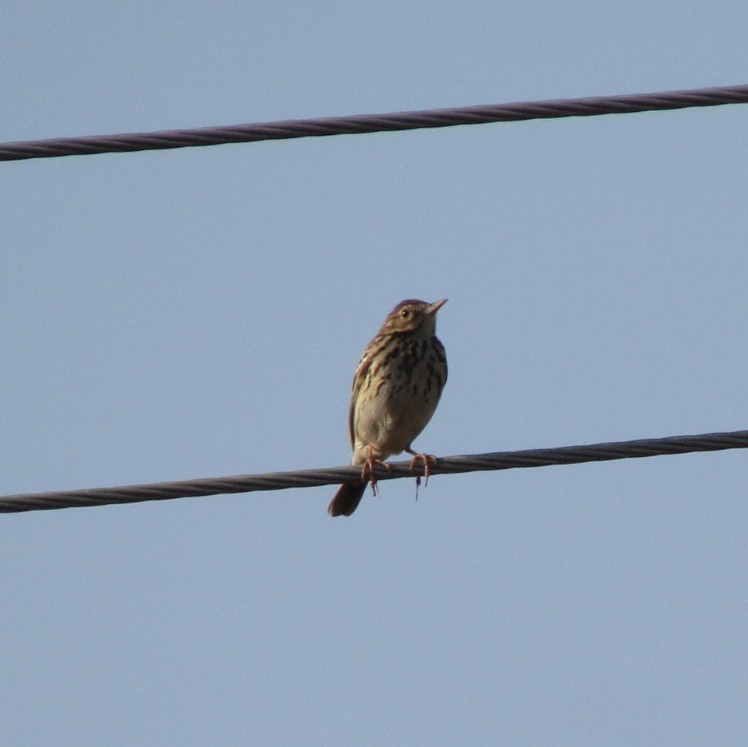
[396, 389]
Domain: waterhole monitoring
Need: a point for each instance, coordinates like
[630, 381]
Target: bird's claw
[428, 460]
[369, 473]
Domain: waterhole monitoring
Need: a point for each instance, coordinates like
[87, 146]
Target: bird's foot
[369, 470]
[428, 460]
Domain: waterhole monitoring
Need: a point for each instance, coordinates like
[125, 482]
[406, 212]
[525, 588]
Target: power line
[363, 123]
[315, 477]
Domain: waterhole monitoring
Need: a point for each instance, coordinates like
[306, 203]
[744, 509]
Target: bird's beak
[431, 310]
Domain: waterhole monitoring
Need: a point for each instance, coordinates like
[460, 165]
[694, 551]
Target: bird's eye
[405, 313]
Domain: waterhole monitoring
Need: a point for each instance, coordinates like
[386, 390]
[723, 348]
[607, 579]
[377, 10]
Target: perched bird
[396, 388]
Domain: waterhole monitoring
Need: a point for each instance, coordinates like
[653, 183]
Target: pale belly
[391, 420]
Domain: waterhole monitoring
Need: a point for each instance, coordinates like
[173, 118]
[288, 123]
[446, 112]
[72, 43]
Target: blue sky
[200, 312]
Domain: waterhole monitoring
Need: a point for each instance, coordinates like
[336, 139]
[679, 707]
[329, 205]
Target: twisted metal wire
[358, 124]
[313, 477]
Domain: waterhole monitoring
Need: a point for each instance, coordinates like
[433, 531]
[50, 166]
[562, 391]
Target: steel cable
[364, 123]
[315, 477]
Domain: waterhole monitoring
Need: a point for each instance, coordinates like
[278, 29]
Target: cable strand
[368, 123]
[316, 477]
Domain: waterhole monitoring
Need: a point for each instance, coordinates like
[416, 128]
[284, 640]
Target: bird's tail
[347, 498]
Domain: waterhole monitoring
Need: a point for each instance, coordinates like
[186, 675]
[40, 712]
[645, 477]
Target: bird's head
[412, 316]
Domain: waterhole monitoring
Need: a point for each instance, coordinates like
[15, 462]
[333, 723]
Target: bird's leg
[368, 469]
[427, 459]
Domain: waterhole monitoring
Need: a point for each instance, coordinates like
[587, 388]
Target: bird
[396, 388]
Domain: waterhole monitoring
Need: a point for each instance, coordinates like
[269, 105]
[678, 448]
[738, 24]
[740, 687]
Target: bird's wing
[358, 379]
